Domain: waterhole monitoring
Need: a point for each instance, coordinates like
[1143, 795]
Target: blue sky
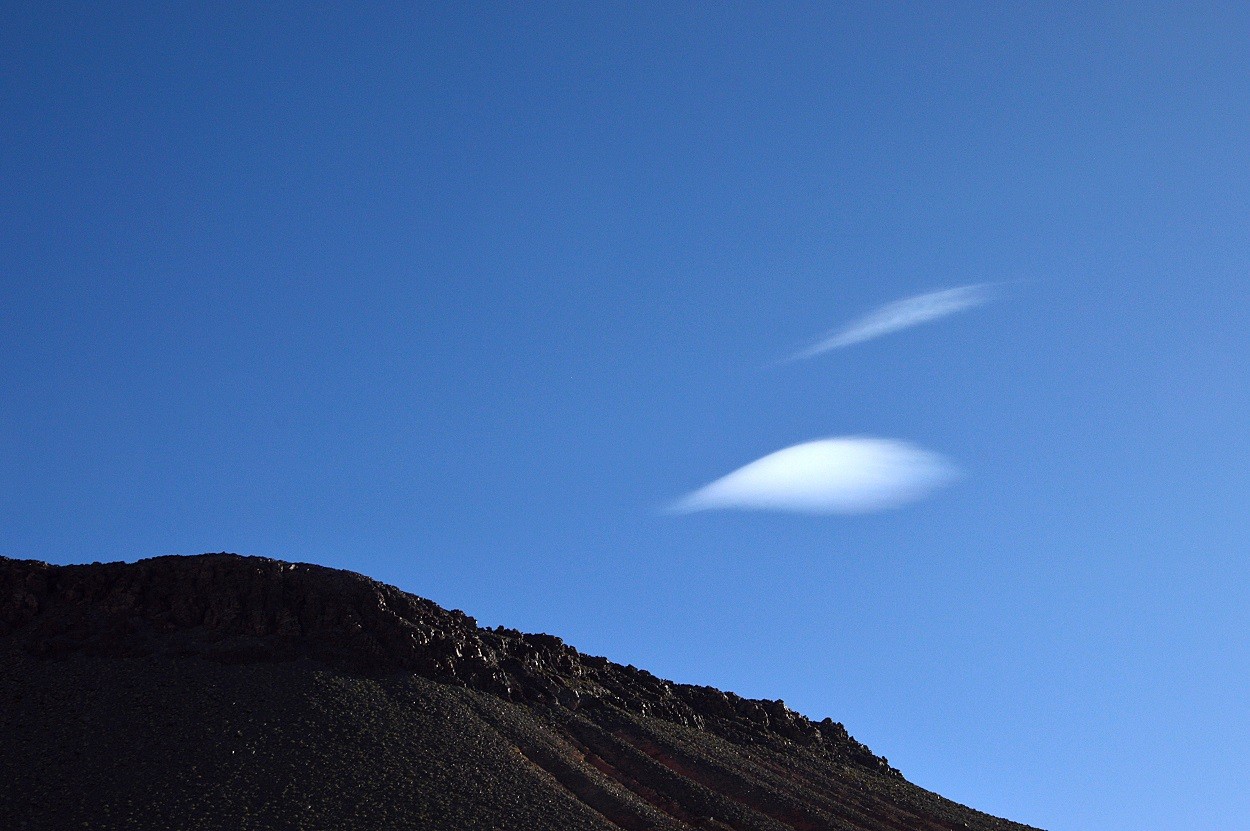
[463, 298]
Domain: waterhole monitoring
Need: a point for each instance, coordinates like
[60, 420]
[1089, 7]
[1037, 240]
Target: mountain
[229, 692]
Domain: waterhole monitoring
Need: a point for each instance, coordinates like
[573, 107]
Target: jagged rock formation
[318, 698]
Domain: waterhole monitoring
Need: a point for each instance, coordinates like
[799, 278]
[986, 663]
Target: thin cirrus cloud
[845, 475]
[901, 314]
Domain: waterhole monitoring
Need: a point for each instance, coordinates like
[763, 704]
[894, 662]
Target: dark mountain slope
[238, 692]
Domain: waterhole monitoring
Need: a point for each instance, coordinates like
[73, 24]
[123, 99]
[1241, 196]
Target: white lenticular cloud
[901, 314]
[846, 475]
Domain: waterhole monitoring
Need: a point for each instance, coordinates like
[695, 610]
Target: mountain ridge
[611, 749]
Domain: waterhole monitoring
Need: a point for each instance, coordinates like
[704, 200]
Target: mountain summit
[221, 691]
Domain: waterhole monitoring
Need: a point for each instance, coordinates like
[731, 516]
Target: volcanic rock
[221, 691]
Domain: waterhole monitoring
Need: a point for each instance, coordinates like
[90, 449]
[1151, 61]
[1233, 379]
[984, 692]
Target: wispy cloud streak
[846, 475]
[901, 314]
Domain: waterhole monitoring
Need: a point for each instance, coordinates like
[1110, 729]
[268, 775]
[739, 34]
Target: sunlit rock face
[234, 692]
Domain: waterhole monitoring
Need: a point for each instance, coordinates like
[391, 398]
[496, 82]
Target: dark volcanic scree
[228, 692]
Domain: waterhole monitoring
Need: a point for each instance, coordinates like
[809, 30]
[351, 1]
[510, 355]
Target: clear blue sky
[462, 298]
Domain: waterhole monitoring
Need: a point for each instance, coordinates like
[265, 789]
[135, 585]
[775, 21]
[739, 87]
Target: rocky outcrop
[237, 610]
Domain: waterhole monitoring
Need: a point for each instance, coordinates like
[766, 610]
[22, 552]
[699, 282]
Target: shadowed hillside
[221, 691]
